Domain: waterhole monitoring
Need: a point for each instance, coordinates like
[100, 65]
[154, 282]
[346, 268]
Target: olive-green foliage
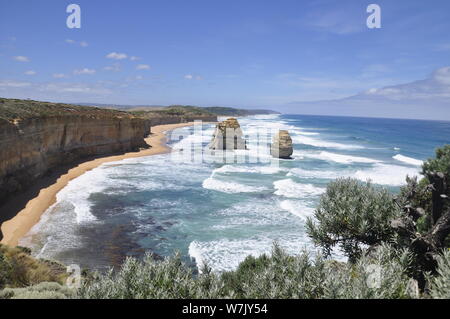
[352, 214]
[12, 109]
[169, 279]
[416, 193]
[276, 276]
[43, 290]
[19, 269]
[441, 163]
[440, 284]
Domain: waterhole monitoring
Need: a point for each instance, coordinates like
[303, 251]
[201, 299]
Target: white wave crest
[338, 158]
[291, 189]
[297, 208]
[248, 169]
[230, 187]
[225, 254]
[383, 174]
[323, 144]
[407, 160]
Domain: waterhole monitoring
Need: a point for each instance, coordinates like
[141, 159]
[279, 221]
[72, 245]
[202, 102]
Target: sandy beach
[18, 226]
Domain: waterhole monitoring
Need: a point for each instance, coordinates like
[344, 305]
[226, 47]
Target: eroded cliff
[37, 136]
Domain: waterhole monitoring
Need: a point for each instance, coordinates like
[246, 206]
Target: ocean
[217, 212]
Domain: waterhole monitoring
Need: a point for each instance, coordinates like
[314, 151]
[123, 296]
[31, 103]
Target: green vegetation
[15, 109]
[276, 276]
[174, 110]
[352, 215]
[43, 290]
[18, 269]
[189, 111]
[398, 247]
[230, 111]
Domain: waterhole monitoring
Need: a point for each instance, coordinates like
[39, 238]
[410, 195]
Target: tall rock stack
[228, 135]
[282, 145]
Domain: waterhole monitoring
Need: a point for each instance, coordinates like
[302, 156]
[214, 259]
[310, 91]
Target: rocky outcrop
[30, 147]
[228, 135]
[282, 145]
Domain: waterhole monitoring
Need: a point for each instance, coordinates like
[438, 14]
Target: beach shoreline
[18, 226]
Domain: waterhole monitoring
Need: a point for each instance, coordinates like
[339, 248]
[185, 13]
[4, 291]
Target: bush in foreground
[276, 276]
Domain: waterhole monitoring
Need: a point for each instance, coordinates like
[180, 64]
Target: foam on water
[289, 188]
[316, 174]
[408, 160]
[338, 158]
[297, 208]
[248, 169]
[225, 254]
[168, 203]
[323, 144]
[230, 187]
[385, 174]
[78, 190]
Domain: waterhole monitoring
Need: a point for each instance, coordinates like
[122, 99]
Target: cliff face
[38, 136]
[30, 147]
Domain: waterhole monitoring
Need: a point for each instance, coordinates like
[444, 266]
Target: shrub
[276, 276]
[43, 290]
[351, 215]
[440, 284]
[19, 269]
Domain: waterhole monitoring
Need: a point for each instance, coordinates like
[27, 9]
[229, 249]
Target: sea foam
[297, 208]
[338, 158]
[407, 160]
[291, 189]
[230, 187]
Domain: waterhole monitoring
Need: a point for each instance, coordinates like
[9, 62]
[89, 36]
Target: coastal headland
[26, 218]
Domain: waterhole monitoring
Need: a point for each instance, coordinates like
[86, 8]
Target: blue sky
[274, 54]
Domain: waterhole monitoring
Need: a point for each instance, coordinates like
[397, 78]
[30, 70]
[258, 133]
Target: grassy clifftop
[12, 109]
[174, 110]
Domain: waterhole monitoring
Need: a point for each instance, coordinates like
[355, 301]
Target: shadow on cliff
[17, 201]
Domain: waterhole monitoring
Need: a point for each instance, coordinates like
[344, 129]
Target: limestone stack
[282, 145]
[228, 135]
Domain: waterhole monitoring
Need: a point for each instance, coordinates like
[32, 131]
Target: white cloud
[13, 84]
[81, 43]
[143, 67]
[193, 77]
[442, 75]
[134, 58]
[73, 88]
[30, 72]
[59, 75]
[115, 67]
[21, 58]
[117, 56]
[423, 99]
[84, 71]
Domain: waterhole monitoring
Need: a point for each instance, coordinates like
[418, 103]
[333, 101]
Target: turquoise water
[217, 212]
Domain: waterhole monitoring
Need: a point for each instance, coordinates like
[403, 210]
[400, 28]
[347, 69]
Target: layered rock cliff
[228, 135]
[30, 146]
